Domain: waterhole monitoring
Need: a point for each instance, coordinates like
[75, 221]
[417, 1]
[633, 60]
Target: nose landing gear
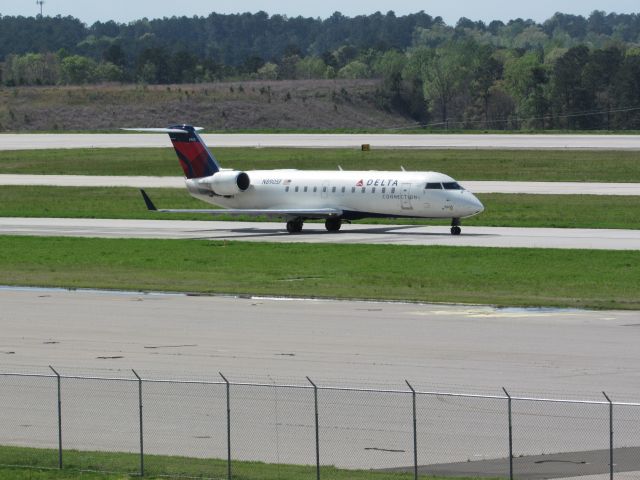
[455, 226]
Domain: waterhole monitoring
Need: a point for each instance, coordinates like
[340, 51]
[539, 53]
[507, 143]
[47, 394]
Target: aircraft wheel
[333, 224]
[456, 230]
[295, 226]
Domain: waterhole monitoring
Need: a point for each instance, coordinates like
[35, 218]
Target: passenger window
[315, 189]
[393, 189]
[384, 189]
[433, 186]
[286, 189]
[451, 186]
[333, 190]
[364, 189]
[373, 190]
[353, 189]
[343, 189]
[324, 189]
[296, 189]
[305, 189]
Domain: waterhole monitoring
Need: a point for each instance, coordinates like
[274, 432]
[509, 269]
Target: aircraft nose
[472, 205]
[478, 204]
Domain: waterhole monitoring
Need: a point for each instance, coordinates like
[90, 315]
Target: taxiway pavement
[504, 142]
[474, 349]
[503, 237]
[549, 188]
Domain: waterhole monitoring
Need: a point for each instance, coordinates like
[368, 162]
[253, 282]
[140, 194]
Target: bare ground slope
[299, 104]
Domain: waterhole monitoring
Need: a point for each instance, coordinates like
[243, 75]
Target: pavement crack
[169, 346]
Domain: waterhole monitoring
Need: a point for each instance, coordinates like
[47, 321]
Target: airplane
[298, 195]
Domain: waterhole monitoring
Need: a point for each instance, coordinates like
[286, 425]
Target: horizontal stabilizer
[160, 130]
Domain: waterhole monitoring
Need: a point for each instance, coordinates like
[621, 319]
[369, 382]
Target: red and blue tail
[195, 158]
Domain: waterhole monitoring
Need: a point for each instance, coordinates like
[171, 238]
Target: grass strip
[505, 277]
[520, 165]
[502, 210]
[158, 465]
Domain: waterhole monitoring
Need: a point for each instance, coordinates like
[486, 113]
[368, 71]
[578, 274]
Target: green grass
[569, 211]
[517, 277]
[172, 466]
[546, 165]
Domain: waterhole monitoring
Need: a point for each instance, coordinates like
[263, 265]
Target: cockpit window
[451, 186]
[433, 186]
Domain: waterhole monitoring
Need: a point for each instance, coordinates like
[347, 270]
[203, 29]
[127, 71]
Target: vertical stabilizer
[195, 158]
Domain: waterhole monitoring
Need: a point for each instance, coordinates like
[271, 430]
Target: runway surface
[503, 142]
[503, 237]
[471, 349]
[556, 188]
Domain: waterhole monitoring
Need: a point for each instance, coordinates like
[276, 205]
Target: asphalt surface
[587, 465]
[505, 142]
[556, 188]
[472, 349]
[600, 239]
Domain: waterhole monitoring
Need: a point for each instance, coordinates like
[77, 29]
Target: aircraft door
[405, 195]
[324, 193]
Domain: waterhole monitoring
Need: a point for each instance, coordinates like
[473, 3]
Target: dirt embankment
[299, 104]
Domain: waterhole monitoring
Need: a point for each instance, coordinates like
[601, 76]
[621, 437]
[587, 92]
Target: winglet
[147, 201]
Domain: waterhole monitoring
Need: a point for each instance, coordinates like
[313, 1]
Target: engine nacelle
[227, 182]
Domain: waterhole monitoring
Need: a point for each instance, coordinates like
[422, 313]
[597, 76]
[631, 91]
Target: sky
[90, 11]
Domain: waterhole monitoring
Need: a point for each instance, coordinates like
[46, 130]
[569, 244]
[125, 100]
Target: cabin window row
[334, 189]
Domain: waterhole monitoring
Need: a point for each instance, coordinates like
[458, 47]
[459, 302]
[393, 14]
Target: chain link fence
[221, 429]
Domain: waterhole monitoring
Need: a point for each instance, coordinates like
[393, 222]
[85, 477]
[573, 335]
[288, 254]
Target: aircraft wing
[269, 212]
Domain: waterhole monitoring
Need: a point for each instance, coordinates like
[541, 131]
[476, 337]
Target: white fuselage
[357, 194]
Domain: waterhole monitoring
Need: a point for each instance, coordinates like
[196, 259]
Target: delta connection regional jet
[298, 195]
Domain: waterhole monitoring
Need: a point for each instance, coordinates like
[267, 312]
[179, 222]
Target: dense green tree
[599, 78]
[269, 71]
[444, 76]
[114, 53]
[570, 97]
[108, 72]
[627, 93]
[525, 78]
[487, 71]
[77, 70]
[311, 67]
[354, 69]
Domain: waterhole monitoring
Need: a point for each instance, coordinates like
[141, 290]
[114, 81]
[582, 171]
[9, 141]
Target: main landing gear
[295, 225]
[455, 226]
[333, 224]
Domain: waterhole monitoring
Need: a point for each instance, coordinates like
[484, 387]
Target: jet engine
[227, 182]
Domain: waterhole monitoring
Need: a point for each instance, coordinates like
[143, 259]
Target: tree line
[568, 72]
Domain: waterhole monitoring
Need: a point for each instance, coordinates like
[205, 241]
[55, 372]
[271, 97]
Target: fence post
[415, 432]
[610, 435]
[59, 418]
[510, 435]
[228, 426]
[315, 402]
[141, 430]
